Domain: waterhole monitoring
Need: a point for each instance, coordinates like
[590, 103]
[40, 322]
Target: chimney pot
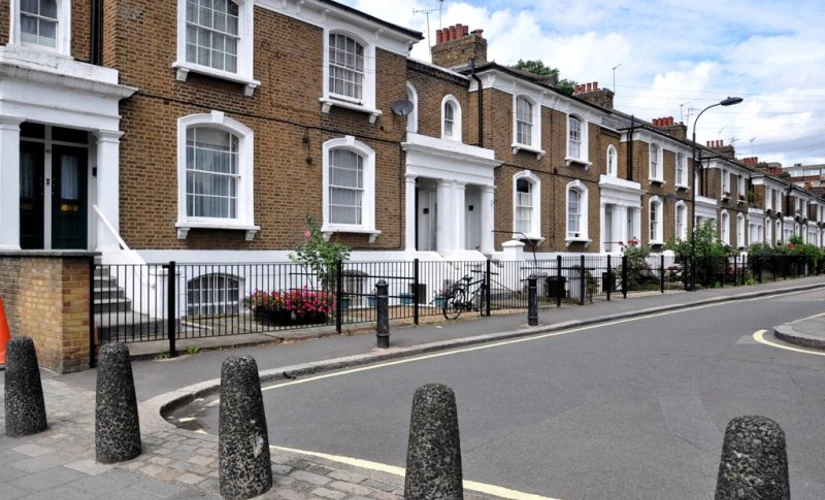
[453, 34]
[670, 121]
[459, 30]
[595, 86]
[439, 37]
[589, 87]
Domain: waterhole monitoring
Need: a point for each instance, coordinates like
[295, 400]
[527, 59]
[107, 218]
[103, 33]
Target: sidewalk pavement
[807, 332]
[182, 464]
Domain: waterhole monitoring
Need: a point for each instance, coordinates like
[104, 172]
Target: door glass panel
[28, 167]
[70, 135]
[32, 130]
[69, 178]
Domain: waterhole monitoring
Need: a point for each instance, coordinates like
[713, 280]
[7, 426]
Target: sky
[671, 58]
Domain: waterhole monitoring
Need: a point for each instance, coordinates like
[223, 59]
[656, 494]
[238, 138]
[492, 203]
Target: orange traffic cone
[5, 335]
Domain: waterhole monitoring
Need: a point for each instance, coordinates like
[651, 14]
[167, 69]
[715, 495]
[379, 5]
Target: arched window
[681, 219]
[450, 118]
[740, 231]
[346, 67]
[412, 118]
[215, 164]
[349, 187]
[575, 138]
[527, 205]
[778, 234]
[577, 210]
[656, 221]
[612, 161]
[213, 294]
[724, 223]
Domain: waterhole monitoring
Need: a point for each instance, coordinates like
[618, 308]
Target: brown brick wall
[47, 299]
[432, 86]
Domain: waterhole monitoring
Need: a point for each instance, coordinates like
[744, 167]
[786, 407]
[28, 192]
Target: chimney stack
[456, 45]
[591, 93]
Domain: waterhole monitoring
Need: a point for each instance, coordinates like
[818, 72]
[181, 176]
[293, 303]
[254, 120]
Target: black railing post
[415, 291]
[735, 263]
[662, 274]
[624, 276]
[692, 270]
[610, 280]
[383, 315]
[559, 287]
[93, 338]
[339, 296]
[582, 282]
[171, 312]
[487, 282]
[532, 301]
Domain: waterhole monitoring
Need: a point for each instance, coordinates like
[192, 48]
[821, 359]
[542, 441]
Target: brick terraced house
[205, 131]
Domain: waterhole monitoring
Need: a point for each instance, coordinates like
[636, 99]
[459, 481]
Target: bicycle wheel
[455, 303]
[482, 301]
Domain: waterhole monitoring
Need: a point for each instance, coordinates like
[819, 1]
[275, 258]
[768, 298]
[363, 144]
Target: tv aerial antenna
[751, 141]
[427, 13]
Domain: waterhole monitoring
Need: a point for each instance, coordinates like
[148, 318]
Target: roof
[412, 33]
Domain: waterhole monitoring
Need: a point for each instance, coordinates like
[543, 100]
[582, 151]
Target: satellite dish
[402, 108]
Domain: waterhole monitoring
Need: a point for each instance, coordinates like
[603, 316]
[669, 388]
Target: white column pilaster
[108, 187]
[460, 216]
[409, 214]
[487, 219]
[444, 232]
[10, 183]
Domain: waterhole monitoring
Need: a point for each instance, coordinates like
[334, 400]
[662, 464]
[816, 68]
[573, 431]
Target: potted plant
[372, 300]
[406, 298]
[270, 308]
[440, 299]
[345, 300]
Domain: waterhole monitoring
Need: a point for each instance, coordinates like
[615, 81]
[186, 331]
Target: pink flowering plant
[319, 255]
[285, 306]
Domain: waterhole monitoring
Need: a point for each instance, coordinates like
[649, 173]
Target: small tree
[638, 270]
[537, 67]
[319, 255]
[711, 255]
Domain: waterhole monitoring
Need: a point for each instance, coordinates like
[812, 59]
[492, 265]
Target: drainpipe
[480, 102]
[96, 42]
[630, 148]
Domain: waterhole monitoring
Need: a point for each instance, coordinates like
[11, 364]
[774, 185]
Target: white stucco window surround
[526, 206]
[681, 171]
[217, 39]
[577, 201]
[527, 125]
[450, 118]
[412, 117]
[657, 164]
[612, 161]
[215, 174]
[740, 231]
[681, 218]
[349, 69]
[656, 221]
[349, 188]
[577, 142]
[724, 227]
[42, 25]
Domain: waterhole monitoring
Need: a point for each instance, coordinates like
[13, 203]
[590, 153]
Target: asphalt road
[634, 410]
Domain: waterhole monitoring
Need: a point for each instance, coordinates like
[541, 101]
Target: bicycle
[461, 298]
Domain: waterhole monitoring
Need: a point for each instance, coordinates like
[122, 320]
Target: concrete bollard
[245, 468]
[382, 311]
[754, 462]
[117, 426]
[532, 301]
[434, 449]
[25, 407]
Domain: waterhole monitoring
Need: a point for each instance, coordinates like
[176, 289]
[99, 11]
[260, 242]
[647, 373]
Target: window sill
[329, 229]
[537, 238]
[570, 241]
[184, 227]
[327, 103]
[576, 161]
[527, 149]
[183, 68]
[684, 187]
[657, 181]
[655, 243]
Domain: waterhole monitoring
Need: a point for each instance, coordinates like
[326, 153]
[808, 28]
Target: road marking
[759, 336]
[503, 343]
[488, 489]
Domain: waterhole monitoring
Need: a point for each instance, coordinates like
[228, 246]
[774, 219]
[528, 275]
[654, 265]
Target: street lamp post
[730, 101]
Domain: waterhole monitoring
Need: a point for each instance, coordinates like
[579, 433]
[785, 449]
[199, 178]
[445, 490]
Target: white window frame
[367, 225]
[740, 231]
[245, 210]
[583, 213]
[214, 307]
[535, 127]
[680, 233]
[656, 205]
[768, 230]
[63, 34]
[725, 182]
[656, 152]
[246, 46]
[456, 118]
[724, 227]
[535, 195]
[778, 235]
[681, 164]
[743, 186]
[582, 159]
[367, 103]
[412, 117]
[612, 163]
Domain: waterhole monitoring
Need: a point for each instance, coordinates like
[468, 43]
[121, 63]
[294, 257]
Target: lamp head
[730, 101]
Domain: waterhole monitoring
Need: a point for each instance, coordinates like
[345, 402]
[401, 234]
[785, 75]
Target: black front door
[31, 195]
[69, 198]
